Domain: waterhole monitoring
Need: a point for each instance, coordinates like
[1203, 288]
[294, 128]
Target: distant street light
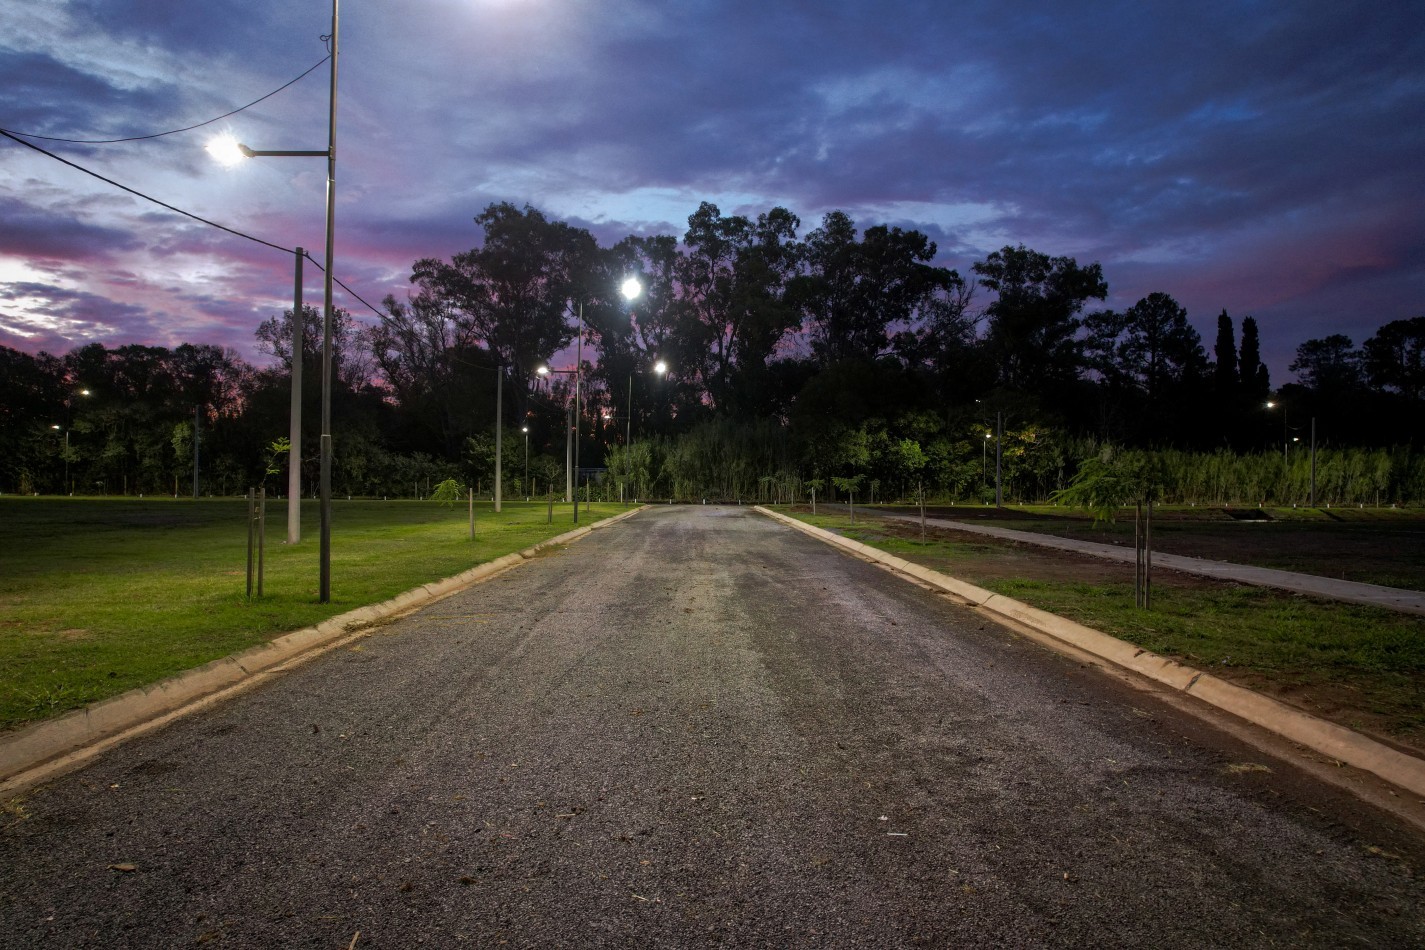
[228, 150]
[660, 368]
[525, 430]
[1288, 439]
[630, 288]
[568, 439]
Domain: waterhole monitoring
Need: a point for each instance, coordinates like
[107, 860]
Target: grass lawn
[98, 596]
[1361, 666]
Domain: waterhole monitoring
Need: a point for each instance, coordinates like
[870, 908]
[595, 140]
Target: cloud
[1261, 158]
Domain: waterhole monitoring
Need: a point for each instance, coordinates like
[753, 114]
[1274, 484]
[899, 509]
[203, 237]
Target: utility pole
[294, 437]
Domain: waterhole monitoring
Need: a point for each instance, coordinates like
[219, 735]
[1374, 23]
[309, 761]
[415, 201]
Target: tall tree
[1329, 366]
[1032, 338]
[513, 293]
[1159, 349]
[1224, 373]
[1395, 357]
[854, 292]
[734, 278]
[1256, 382]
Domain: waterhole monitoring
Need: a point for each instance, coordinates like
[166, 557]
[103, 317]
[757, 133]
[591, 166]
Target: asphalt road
[699, 728]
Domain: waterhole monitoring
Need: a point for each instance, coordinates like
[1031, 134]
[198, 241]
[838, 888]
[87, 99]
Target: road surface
[699, 728]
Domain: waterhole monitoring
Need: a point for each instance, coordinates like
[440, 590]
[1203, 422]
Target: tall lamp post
[64, 485]
[545, 371]
[68, 423]
[1286, 444]
[660, 368]
[525, 430]
[229, 151]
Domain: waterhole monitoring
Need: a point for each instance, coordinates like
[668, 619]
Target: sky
[1266, 158]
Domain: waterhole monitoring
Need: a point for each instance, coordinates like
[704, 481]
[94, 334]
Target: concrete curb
[1327, 738]
[32, 749]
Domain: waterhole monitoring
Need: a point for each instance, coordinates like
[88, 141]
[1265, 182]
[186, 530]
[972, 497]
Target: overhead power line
[14, 137]
[133, 191]
[155, 135]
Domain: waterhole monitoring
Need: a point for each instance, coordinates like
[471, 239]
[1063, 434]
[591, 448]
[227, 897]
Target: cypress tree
[1255, 381]
[1224, 376]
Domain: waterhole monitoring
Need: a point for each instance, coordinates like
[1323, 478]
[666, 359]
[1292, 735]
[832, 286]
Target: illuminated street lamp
[228, 150]
[568, 438]
[1286, 445]
[525, 430]
[660, 368]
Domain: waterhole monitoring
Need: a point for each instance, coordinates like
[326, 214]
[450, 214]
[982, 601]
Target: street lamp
[568, 439]
[630, 288]
[228, 150]
[65, 484]
[660, 368]
[525, 430]
[1286, 444]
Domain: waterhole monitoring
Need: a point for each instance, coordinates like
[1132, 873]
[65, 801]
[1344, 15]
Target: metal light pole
[325, 593]
[578, 405]
[568, 435]
[229, 151]
[999, 452]
[196, 411]
[499, 432]
[1313, 462]
[525, 430]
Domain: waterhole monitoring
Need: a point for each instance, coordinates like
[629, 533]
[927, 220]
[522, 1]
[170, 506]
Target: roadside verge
[44, 749]
[1327, 738]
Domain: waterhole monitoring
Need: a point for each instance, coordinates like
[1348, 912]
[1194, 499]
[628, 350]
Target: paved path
[1391, 598]
[699, 728]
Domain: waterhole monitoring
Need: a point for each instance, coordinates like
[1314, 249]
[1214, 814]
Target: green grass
[1360, 665]
[98, 596]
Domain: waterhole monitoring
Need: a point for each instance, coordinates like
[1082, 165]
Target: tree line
[836, 359]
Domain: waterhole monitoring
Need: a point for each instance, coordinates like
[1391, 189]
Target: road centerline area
[699, 728]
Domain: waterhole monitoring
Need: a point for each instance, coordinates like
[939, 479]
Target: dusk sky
[1263, 157]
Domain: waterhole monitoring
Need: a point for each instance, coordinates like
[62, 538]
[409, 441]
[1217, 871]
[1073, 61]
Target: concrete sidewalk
[1373, 595]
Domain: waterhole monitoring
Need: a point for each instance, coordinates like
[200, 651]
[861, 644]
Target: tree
[1256, 383]
[513, 293]
[1395, 357]
[733, 280]
[1158, 348]
[1032, 337]
[854, 292]
[351, 366]
[1224, 374]
[1331, 365]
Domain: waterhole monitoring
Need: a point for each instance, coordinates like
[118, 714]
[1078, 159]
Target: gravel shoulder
[699, 729]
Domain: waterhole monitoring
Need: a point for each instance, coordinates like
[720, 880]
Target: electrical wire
[155, 135]
[187, 214]
[132, 191]
[338, 282]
